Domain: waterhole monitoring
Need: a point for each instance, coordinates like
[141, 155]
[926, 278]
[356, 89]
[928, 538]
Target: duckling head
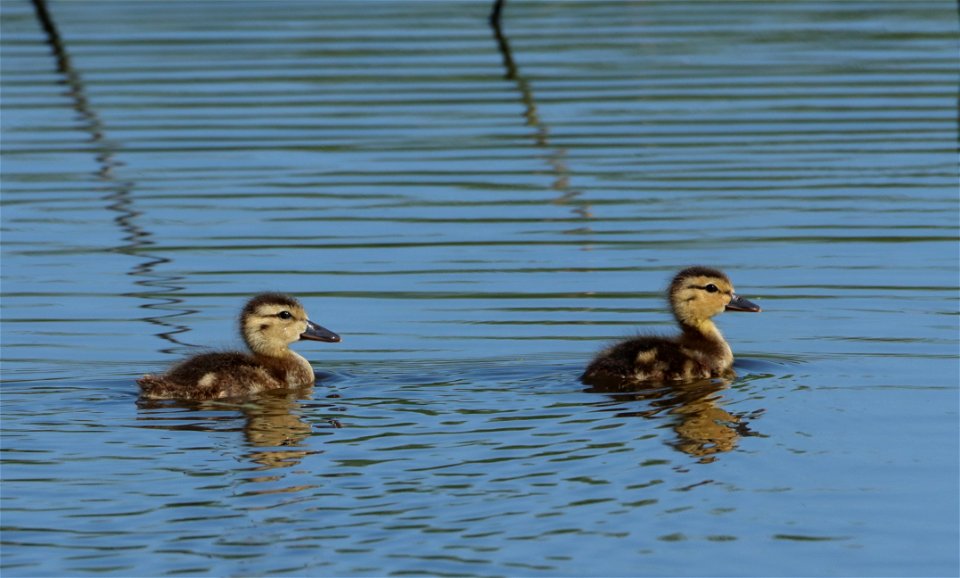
[699, 293]
[270, 322]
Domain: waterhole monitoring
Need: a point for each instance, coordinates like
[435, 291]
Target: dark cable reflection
[156, 286]
[702, 426]
[555, 156]
[497, 12]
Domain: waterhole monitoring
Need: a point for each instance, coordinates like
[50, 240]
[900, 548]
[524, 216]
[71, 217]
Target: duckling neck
[703, 339]
[288, 365]
[264, 348]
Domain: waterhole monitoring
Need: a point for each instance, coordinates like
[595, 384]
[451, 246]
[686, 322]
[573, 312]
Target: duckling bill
[696, 295]
[269, 323]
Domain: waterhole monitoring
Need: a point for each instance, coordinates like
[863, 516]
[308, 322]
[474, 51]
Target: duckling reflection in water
[275, 429]
[696, 295]
[693, 409]
[274, 424]
[269, 323]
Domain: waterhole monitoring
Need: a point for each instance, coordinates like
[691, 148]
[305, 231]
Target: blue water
[477, 216]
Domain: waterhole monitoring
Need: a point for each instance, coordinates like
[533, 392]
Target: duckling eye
[711, 288]
[284, 315]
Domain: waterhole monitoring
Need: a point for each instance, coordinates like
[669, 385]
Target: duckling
[696, 295]
[269, 323]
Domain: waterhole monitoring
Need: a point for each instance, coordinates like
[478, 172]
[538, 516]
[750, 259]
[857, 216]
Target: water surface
[477, 214]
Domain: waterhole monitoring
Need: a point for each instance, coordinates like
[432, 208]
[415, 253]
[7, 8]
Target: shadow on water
[119, 199]
[555, 156]
[703, 428]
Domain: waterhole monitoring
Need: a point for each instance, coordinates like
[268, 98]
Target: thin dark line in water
[118, 199]
[496, 13]
[556, 156]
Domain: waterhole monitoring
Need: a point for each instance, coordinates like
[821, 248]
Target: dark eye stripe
[709, 288]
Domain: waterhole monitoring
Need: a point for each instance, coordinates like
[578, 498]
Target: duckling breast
[299, 372]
